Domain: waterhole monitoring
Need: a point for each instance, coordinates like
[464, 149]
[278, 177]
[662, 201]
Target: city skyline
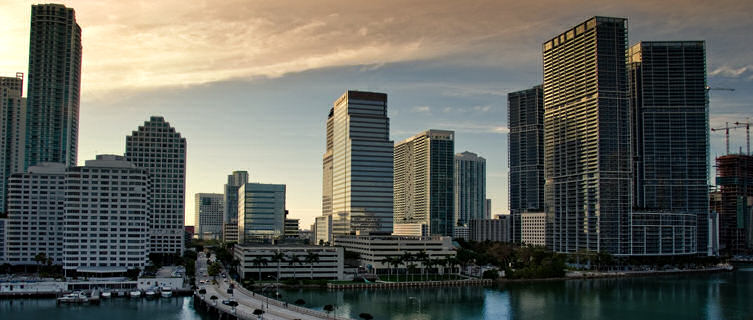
[421, 97]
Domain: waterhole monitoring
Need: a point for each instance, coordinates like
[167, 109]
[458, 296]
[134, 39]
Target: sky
[250, 83]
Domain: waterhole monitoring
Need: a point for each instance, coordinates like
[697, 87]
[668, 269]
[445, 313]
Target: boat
[106, 294]
[135, 294]
[150, 293]
[74, 297]
[166, 292]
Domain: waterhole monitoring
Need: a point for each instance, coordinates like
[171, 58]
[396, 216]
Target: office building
[261, 212]
[230, 221]
[470, 187]
[373, 249]
[157, 147]
[12, 131]
[291, 228]
[54, 83]
[410, 229]
[587, 138]
[670, 124]
[323, 230]
[462, 232]
[230, 232]
[488, 209]
[327, 174]
[3, 221]
[533, 228]
[106, 217]
[209, 215]
[662, 233]
[256, 261]
[525, 116]
[362, 171]
[734, 178]
[36, 208]
[490, 229]
[424, 181]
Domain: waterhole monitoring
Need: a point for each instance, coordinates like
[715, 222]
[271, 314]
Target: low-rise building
[374, 249]
[410, 229]
[230, 231]
[461, 232]
[490, 229]
[533, 228]
[291, 228]
[299, 262]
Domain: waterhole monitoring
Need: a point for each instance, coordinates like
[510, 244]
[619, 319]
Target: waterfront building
[461, 232]
[410, 229]
[291, 228]
[54, 83]
[470, 187]
[490, 229]
[657, 233]
[12, 131]
[362, 164]
[424, 181]
[209, 215]
[107, 212]
[734, 178]
[36, 209]
[257, 260]
[525, 116]
[587, 138]
[261, 211]
[670, 124]
[159, 148]
[373, 249]
[533, 228]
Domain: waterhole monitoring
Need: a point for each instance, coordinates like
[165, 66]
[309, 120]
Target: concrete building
[587, 155]
[230, 221]
[157, 147]
[54, 86]
[410, 229]
[257, 262]
[374, 249]
[525, 116]
[261, 212]
[323, 230]
[734, 178]
[12, 131]
[490, 229]
[362, 167]
[424, 181]
[36, 209]
[470, 187]
[230, 232]
[106, 216]
[669, 140]
[462, 232]
[209, 215]
[291, 228]
[533, 228]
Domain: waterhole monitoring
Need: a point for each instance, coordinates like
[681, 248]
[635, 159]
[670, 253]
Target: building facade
[533, 229]
[587, 137]
[424, 181]
[323, 229]
[670, 124]
[106, 216]
[299, 262]
[525, 116]
[159, 148]
[373, 250]
[12, 131]
[230, 222]
[54, 83]
[362, 167]
[261, 211]
[470, 187]
[663, 233]
[36, 209]
[498, 230]
[291, 228]
[734, 202]
[209, 215]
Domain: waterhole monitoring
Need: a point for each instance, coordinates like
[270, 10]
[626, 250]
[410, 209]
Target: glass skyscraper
[424, 181]
[261, 211]
[54, 83]
[362, 171]
[470, 187]
[525, 110]
[587, 138]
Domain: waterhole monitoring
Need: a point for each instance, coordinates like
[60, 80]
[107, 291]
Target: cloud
[485, 108]
[730, 72]
[421, 109]
[474, 127]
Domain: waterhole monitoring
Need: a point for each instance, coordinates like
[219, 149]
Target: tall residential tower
[12, 124]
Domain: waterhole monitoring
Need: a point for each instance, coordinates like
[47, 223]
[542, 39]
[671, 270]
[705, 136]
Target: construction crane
[737, 125]
[747, 135]
[718, 88]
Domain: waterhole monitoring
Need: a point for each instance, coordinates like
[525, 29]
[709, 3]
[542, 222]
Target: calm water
[712, 296]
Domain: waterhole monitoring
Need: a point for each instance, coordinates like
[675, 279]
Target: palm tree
[214, 299]
[389, 261]
[278, 257]
[259, 262]
[429, 264]
[406, 259]
[292, 261]
[412, 269]
[422, 257]
[202, 292]
[311, 258]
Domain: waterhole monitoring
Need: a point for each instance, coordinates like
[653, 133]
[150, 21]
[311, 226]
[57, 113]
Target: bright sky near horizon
[250, 83]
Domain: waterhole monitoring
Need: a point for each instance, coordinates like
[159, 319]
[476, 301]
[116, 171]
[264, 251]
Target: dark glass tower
[525, 113]
[587, 138]
[54, 86]
[670, 129]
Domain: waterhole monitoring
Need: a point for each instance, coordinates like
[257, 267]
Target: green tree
[258, 262]
[278, 258]
[293, 260]
[214, 269]
[422, 257]
[41, 259]
[311, 259]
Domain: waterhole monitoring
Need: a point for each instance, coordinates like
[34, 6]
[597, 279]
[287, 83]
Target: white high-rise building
[36, 204]
[106, 216]
[362, 164]
[12, 131]
[209, 215]
[157, 147]
[470, 187]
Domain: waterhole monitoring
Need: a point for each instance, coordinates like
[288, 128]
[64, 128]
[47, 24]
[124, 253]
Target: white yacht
[167, 292]
[135, 294]
[150, 293]
[106, 294]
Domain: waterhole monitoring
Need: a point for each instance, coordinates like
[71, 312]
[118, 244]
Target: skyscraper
[362, 171]
[54, 83]
[587, 137]
[734, 177]
[261, 211]
[12, 123]
[424, 181]
[234, 181]
[525, 110]
[157, 147]
[670, 125]
[470, 187]
[209, 215]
